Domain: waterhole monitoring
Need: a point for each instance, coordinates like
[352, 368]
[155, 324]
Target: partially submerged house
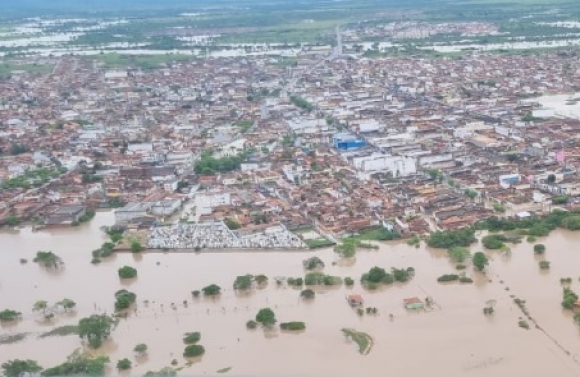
[354, 300]
[413, 303]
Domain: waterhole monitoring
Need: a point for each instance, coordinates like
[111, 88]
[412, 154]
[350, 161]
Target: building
[207, 201]
[346, 141]
[413, 303]
[380, 162]
[66, 214]
[165, 207]
[354, 300]
[132, 211]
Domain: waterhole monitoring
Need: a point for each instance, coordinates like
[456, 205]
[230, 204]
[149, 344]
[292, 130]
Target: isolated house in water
[354, 300]
[413, 303]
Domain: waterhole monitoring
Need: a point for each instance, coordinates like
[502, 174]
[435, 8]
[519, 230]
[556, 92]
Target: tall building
[338, 48]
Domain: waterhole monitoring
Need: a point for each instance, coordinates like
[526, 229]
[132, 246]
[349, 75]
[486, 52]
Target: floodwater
[564, 105]
[455, 339]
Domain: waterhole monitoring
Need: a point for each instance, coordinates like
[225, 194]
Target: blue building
[346, 141]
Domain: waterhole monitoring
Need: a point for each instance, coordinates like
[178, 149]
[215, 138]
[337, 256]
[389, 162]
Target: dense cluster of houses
[410, 144]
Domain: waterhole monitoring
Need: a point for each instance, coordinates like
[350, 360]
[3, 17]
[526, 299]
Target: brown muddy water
[455, 339]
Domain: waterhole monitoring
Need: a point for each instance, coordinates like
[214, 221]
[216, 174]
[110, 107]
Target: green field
[6, 69]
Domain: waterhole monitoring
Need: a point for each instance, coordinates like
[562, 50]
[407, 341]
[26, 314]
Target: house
[413, 303]
[132, 211]
[354, 300]
[66, 214]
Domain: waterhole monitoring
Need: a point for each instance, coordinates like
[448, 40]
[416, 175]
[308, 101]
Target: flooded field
[454, 339]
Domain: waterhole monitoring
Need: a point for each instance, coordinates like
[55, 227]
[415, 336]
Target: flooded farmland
[454, 339]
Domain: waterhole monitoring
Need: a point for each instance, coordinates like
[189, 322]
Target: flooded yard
[454, 339]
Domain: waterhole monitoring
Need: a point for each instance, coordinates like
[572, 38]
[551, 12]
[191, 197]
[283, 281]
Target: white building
[132, 211]
[205, 202]
[380, 162]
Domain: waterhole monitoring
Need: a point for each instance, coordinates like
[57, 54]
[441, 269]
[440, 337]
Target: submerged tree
[96, 328]
[20, 368]
[47, 259]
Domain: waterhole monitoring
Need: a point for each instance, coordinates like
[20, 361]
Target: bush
[544, 265]
[539, 249]
[195, 293]
[124, 364]
[124, 299]
[531, 239]
[141, 348]
[266, 317]
[460, 267]
[292, 326]
[251, 324]
[244, 282]
[458, 254]
[494, 241]
[465, 279]
[572, 222]
[295, 282]
[191, 337]
[193, 350]
[211, 290]
[136, 247]
[313, 263]
[127, 272]
[8, 315]
[307, 294]
[348, 281]
[452, 238]
[569, 298]
[447, 277]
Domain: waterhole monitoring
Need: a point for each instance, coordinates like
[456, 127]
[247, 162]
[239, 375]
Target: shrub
[313, 263]
[8, 315]
[447, 277]
[244, 282]
[193, 350]
[572, 222]
[569, 298]
[141, 348]
[124, 364]
[494, 241]
[531, 239]
[127, 272]
[539, 249]
[458, 254]
[191, 337]
[251, 324]
[195, 293]
[348, 281]
[211, 290]
[307, 294]
[136, 247]
[124, 299]
[292, 326]
[460, 267]
[465, 279]
[544, 265]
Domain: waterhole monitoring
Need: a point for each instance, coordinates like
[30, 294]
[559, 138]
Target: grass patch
[7, 69]
[115, 60]
[61, 331]
[10, 339]
[376, 234]
[318, 243]
[363, 340]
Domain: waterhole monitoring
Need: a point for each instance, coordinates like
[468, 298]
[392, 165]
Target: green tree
[232, 224]
[313, 263]
[244, 282]
[193, 350]
[20, 368]
[79, 364]
[458, 254]
[569, 298]
[47, 259]
[266, 317]
[124, 299]
[307, 294]
[124, 364]
[12, 220]
[67, 304]
[127, 272]
[136, 247]
[96, 328]
[211, 290]
[191, 337]
[140, 349]
[480, 260]
[539, 249]
[261, 279]
[8, 315]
